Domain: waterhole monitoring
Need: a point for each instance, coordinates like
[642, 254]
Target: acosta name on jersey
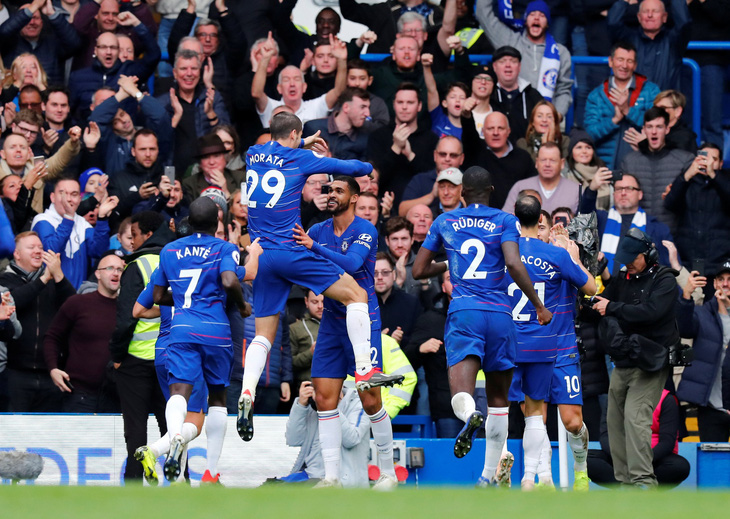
[480, 223]
[541, 264]
[274, 160]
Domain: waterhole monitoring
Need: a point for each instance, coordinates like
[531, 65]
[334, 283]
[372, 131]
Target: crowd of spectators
[111, 111]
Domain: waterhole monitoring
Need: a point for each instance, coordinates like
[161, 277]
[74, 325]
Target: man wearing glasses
[76, 346]
[624, 215]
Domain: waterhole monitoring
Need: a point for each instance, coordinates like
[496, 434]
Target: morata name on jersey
[275, 160]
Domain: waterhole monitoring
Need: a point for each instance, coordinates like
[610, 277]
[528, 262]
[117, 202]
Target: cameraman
[637, 329]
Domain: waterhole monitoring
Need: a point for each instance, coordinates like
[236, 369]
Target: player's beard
[339, 209]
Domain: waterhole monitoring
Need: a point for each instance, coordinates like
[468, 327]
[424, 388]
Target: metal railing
[696, 97]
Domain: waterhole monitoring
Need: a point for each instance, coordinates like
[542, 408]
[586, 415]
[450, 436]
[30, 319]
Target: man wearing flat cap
[637, 329]
[211, 156]
[512, 95]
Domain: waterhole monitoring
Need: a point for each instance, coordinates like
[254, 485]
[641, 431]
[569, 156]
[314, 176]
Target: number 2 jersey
[355, 253]
[275, 176]
[473, 237]
[549, 267]
[192, 267]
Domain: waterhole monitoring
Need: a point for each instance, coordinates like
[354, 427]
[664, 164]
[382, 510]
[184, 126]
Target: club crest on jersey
[344, 246]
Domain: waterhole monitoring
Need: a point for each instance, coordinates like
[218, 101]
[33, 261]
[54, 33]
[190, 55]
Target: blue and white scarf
[611, 235]
[425, 9]
[550, 64]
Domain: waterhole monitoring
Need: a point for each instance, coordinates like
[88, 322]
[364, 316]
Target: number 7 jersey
[275, 176]
[192, 267]
[473, 237]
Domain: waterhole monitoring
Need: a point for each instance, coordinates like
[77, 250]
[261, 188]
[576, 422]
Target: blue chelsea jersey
[473, 237]
[192, 267]
[275, 176]
[549, 267]
[355, 252]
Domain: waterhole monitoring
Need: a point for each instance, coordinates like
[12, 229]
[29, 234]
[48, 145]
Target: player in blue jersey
[480, 242]
[201, 271]
[351, 243]
[276, 173]
[550, 268]
[145, 308]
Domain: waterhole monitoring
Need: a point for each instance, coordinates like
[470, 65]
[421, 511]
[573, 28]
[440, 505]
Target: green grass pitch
[294, 502]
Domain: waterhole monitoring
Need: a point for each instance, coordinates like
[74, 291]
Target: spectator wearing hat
[637, 328]
[211, 157]
[583, 165]
[702, 382]
[449, 191]
[76, 346]
[618, 104]
[512, 95]
[506, 163]
[478, 105]
[117, 126]
[423, 188]
[700, 198]
[547, 63]
[555, 190]
[142, 178]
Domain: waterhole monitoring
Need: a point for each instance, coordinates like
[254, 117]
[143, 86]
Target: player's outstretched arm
[252, 264]
[517, 271]
[424, 267]
[140, 312]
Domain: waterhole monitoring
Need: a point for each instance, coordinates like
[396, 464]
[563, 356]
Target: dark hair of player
[477, 183]
[282, 125]
[203, 215]
[527, 211]
[148, 221]
[352, 184]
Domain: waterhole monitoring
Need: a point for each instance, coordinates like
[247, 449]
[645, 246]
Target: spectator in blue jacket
[275, 383]
[24, 32]
[117, 126]
[618, 104]
[702, 383]
[659, 47]
[64, 232]
[193, 108]
[106, 69]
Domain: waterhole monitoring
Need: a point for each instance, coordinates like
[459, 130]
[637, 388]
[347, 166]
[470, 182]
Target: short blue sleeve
[511, 229]
[433, 241]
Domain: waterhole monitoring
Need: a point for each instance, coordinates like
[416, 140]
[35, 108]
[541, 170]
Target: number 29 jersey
[275, 176]
[192, 267]
[473, 237]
